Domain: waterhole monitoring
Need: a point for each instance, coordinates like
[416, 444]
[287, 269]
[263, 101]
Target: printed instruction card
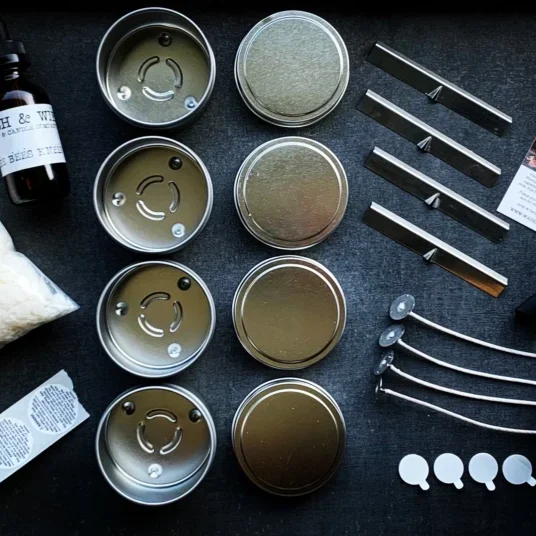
[519, 202]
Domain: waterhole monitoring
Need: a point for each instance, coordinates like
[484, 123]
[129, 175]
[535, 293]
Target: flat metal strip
[434, 250]
[436, 195]
[438, 89]
[429, 139]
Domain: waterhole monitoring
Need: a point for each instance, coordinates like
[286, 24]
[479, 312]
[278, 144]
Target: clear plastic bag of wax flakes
[28, 299]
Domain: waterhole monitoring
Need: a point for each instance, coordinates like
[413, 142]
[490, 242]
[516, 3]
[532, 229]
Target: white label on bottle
[37, 421]
[28, 138]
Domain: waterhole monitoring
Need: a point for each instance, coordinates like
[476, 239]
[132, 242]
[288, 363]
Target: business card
[519, 202]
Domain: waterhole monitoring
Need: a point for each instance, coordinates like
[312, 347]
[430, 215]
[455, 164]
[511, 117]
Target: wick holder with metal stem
[403, 307]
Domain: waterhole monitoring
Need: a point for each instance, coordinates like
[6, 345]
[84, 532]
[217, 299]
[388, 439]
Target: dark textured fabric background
[63, 492]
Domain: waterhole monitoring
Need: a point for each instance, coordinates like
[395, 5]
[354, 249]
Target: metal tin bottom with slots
[155, 68]
[155, 444]
[155, 318]
[153, 195]
[289, 436]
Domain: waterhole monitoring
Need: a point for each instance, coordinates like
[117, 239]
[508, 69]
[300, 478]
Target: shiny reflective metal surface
[292, 68]
[153, 195]
[156, 68]
[289, 436]
[434, 250]
[403, 307]
[289, 312]
[438, 89]
[428, 139]
[291, 193]
[155, 318]
[156, 444]
[435, 195]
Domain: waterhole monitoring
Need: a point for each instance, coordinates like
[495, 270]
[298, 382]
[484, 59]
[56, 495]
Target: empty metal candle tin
[289, 312]
[289, 436]
[153, 195]
[291, 193]
[155, 444]
[156, 68]
[155, 318]
[292, 69]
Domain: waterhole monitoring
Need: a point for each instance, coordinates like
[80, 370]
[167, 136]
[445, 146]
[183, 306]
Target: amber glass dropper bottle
[31, 155]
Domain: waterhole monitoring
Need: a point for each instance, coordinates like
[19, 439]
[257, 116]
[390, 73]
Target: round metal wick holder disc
[153, 195]
[289, 312]
[289, 436]
[402, 307]
[155, 318]
[291, 193]
[292, 69]
[156, 444]
[391, 335]
[156, 68]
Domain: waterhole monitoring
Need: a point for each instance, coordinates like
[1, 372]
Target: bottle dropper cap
[11, 51]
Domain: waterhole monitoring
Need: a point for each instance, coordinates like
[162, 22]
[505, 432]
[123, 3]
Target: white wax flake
[28, 298]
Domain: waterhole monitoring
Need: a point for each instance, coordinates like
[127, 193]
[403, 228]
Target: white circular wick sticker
[53, 409]
[15, 443]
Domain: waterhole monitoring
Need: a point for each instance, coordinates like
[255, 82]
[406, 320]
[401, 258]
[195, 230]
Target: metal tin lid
[289, 312]
[292, 68]
[289, 436]
[155, 318]
[291, 193]
[155, 444]
[155, 68]
[153, 195]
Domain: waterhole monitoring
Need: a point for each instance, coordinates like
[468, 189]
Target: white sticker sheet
[37, 421]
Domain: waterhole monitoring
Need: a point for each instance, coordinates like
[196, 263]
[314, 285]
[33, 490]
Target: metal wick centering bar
[403, 307]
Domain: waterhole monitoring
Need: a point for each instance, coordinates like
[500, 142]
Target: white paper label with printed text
[28, 138]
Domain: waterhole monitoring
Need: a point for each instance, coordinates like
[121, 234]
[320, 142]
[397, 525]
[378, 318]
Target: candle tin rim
[106, 340]
[284, 245]
[280, 119]
[119, 155]
[102, 66]
[252, 275]
[296, 383]
[100, 438]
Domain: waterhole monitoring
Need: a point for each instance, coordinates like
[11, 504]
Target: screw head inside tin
[184, 283]
[165, 39]
[175, 163]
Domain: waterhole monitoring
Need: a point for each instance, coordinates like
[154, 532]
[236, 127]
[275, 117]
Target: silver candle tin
[292, 69]
[155, 318]
[155, 68]
[289, 436]
[291, 193]
[153, 195]
[289, 312]
[155, 444]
